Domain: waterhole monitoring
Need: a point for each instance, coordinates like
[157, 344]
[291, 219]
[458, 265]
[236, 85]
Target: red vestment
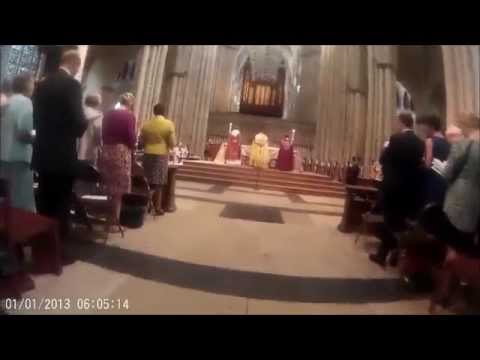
[285, 158]
[233, 148]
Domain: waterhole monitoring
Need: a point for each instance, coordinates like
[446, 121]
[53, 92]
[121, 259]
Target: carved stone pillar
[307, 109]
[357, 72]
[191, 92]
[149, 79]
[462, 69]
[331, 124]
[224, 72]
[381, 98]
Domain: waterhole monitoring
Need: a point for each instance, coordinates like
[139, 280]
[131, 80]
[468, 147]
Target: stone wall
[105, 64]
[420, 70]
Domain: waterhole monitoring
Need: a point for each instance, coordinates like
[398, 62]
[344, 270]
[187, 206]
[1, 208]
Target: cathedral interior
[241, 242]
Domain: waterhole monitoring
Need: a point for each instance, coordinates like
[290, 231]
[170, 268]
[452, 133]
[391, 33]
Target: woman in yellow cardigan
[158, 138]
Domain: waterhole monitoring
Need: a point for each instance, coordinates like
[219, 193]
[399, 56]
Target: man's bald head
[72, 60]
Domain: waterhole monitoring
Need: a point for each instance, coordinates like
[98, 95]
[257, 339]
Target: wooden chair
[358, 201]
[98, 204]
[462, 269]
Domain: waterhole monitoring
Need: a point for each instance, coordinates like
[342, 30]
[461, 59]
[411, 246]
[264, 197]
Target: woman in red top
[119, 139]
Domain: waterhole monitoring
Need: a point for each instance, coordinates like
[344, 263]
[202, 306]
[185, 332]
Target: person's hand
[439, 166]
[451, 255]
[25, 137]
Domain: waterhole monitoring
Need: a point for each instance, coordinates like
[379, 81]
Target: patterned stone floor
[230, 250]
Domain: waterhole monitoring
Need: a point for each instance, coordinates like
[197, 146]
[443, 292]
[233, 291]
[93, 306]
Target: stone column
[462, 69]
[149, 79]
[331, 124]
[83, 50]
[325, 95]
[356, 101]
[308, 98]
[191, 93]
[381, 99]
[224, 72]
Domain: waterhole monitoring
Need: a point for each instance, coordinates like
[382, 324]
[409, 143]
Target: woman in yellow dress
[259, 153]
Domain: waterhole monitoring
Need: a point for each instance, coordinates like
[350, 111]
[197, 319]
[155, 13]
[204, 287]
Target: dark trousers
[388, 240]
[54, 198]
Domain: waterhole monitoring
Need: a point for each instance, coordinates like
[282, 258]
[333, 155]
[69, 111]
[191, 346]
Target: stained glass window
[22, 58]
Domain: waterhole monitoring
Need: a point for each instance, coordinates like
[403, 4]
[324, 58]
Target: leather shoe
[393, 261]
[377, 259]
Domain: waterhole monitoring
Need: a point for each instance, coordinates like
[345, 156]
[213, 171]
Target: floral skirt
[115, 165]
[156, 169]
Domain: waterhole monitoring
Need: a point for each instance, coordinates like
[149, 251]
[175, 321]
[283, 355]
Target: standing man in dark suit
[403, 183]
[59, 121]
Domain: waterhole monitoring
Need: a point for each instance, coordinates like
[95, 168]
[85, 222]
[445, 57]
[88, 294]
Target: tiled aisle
[198, 262]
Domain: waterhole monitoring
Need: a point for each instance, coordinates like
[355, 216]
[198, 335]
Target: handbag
[460, 165]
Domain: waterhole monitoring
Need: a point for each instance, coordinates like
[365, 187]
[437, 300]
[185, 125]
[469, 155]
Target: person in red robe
[285, 160]
[233, 152]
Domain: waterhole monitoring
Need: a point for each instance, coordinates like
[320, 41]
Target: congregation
[54, 137]
[429, 203]
[57, 141]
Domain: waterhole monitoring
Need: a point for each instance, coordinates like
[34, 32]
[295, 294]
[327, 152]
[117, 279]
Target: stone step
[278, 180]
[212, 179]
[266, 173]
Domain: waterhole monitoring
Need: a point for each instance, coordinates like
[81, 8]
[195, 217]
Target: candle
[230, 128]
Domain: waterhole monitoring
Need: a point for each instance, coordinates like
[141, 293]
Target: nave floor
[230, 250]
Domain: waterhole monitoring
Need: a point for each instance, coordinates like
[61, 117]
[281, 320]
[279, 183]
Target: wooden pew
[358, 201]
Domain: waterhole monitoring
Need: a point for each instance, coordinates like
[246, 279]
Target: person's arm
[172, 140]
[453, 160]
[385, 154]
[24, 126]
[79, 123]
[131, 133]
[97, 131]
[428, 152]
[35, 105]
